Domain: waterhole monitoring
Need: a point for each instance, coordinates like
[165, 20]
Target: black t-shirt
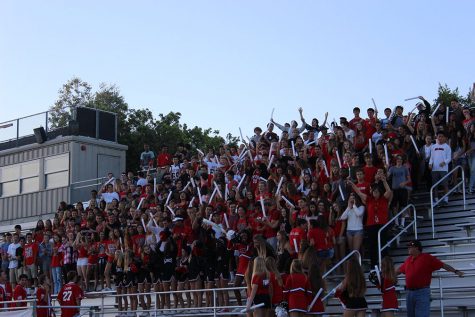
[19, 255]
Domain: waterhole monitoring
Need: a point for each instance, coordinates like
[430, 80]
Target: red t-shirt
[369, 173]
[101, 248]
[70, 295]
[111, 248]
[296, 234]
[5, 294]
[272, 215]
[138, 242]
[262, 282]
[377, 211]
[419, 270]
[19, 294]
[164, 159]
[363, 187]
[41, 300]
[29, 252]
[322, 240]
[354, 121]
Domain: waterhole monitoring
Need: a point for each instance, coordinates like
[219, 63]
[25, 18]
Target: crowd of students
[283, 205]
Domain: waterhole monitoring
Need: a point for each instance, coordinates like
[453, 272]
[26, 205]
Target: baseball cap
[415, 243]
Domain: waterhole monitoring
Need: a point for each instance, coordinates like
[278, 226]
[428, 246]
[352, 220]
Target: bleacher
[451, 295]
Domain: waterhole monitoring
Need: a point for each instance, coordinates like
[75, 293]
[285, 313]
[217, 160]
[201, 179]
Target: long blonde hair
[272, 267]
[296, 266]
[259, 267]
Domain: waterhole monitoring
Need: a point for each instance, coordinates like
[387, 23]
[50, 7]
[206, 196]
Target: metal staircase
[450, 237]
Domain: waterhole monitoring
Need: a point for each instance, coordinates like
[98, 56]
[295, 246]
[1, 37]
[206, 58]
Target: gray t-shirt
[398, 175]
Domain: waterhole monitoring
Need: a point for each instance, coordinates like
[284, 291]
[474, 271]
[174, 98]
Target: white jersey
[175, 171]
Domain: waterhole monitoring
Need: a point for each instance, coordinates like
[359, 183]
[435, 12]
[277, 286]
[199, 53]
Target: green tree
[135, 126]
[445, 95]
[74, 93]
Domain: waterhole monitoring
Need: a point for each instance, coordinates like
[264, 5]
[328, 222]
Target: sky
[227, 64]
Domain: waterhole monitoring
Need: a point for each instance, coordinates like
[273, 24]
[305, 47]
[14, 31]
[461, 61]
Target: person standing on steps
[440, 157]
[418, 268]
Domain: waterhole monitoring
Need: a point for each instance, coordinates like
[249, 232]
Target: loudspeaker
[86, 119]
[40, 135]
[106, 126]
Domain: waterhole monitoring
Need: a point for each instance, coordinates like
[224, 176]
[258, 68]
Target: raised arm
[388, 192]
[362, 195]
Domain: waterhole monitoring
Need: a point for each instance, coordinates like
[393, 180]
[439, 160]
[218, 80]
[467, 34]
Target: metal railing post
[214, 302]
[46, 121]
[463, 190]
[34, 308]
[393, 219]
[17, 131]
[380, 251]
[441, 291]
[156, 302]
[102, 302]
[434, 186]
[415, 221]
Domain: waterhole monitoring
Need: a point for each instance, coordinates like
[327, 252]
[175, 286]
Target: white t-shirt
[440, 153]
[13, 264]
[350, 135]
[142, 182]
[108, 197]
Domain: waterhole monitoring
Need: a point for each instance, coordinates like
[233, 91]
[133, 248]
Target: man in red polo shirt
[418, 269]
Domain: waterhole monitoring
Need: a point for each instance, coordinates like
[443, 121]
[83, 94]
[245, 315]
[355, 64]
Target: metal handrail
[432, 204]
[89, 180]
[349, 255]
[393, 219]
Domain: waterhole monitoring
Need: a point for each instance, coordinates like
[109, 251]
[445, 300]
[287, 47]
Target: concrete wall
[81, 158]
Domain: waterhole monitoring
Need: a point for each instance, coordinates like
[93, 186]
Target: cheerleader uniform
[119, 276]
[296, 293]
[317, 308]
[197, 264]
[245, 253]
[262, 294]
[277, 291]
[222, 260]
[168, 264]
[389, 296]
[181, 271]
[131, 274]
[351, 303]
[144, 274]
